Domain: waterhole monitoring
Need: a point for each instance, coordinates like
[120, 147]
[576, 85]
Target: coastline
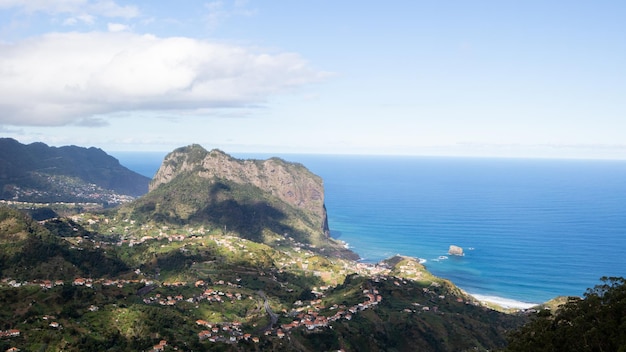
[425, 224]
[506, 303]
[503, 302]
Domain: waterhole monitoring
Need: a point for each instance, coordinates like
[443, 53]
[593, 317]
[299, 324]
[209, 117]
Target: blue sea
[531, 229]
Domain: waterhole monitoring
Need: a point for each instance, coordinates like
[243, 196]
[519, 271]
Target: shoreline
[503, 302]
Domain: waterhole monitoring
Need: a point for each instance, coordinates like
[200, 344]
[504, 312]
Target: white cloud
[112, 9]
[84, 19]
[218, 12]
[64, 78]
[48, 6]
[117, 27]
[103, 8]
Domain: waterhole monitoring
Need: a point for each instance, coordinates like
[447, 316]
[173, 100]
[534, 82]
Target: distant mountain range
[39, 173]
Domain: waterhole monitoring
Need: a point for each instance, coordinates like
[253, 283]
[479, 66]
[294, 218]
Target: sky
[499, 78]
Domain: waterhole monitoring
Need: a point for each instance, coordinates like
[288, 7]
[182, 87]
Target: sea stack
[455, 250]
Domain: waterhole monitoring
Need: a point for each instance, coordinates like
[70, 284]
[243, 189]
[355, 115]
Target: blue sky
[461, 78]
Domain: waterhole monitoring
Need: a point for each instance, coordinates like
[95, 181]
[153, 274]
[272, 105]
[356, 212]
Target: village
[309, 315]
[288, 256]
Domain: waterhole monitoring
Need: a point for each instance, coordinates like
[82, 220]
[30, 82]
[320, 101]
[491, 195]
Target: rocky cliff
[292, 183]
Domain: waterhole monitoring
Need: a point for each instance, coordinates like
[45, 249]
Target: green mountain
[39, 173]
[29, 250]
[266, 201]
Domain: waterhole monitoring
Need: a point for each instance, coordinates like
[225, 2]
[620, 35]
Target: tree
[595, 323]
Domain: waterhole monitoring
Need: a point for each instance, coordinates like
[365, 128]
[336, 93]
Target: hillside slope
[201, 292]
[29, 250]
[38, 172]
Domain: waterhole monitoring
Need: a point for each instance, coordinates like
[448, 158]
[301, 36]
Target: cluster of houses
[70, 188]
[223, 332]
[311, 320]
[80, 281]
[45, 284]
[209, 294]
[10, 333]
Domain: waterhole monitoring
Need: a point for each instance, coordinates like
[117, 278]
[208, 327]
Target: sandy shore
[504, 302]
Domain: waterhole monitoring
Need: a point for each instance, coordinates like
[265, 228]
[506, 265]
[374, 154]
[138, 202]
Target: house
[160, 346]
[204, 334]
[289, 326]
[203, 323]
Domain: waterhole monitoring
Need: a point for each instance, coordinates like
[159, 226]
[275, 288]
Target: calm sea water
[531, 229]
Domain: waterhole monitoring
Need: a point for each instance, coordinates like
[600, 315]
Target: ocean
[531, 229]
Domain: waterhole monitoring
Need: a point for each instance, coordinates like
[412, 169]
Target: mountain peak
[214, 185]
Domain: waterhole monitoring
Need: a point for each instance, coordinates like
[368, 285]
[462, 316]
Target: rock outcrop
[292, 183]
[455, 250]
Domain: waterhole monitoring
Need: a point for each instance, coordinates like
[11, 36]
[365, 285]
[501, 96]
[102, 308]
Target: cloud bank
[66, 78]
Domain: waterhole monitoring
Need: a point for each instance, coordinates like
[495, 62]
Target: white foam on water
[504, 302]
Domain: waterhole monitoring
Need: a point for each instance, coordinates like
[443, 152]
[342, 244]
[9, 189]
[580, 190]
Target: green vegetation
[214, 263]
[596, 322]
[30, 251]
[39, 173]
[166, 282]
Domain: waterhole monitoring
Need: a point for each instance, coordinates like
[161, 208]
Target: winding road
[273, 316]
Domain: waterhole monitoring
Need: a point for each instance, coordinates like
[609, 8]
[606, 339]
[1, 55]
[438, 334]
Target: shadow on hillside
[235, 213]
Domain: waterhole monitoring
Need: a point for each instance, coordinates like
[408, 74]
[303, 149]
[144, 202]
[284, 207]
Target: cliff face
[292, 183]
